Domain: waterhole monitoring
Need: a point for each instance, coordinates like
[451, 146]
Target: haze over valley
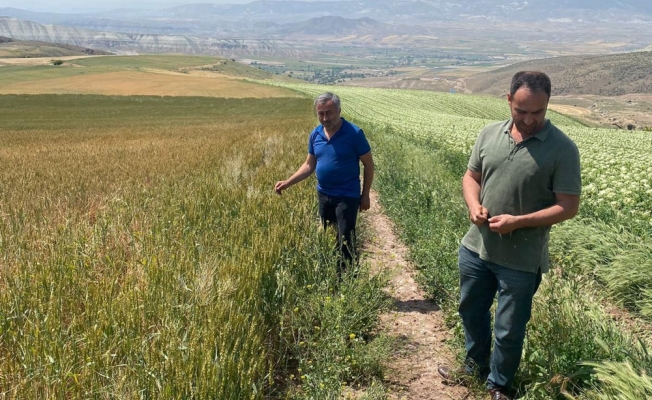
[510, 28]
[427, 44]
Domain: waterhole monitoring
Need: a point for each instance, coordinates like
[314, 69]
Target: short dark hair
[534, 80]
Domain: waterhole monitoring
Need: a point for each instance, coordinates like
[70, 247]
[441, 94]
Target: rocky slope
[26, 30]
[610, 75]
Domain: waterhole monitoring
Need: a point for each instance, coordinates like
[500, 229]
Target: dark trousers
[480, 280]
[341, 213]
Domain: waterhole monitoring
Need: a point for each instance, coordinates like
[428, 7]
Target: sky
[79, 6]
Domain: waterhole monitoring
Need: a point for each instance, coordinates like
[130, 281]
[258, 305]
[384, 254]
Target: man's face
[528, 110]
[328, 114]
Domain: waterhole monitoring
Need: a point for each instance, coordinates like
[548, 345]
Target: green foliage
[115, 115]
[169, 62]
[57, 62]
[420, 193]
[332, 333]
[12, 74]
[421, 143]
[621, 381]
[146, 256]
[618, 259]
[569, 327]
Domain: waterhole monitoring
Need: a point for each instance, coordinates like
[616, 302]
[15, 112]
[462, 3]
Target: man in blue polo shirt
[335, 149]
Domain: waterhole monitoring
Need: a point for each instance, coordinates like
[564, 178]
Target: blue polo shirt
[338, 159]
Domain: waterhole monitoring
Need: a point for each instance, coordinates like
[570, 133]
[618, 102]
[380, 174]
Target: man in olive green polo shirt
[523, 176]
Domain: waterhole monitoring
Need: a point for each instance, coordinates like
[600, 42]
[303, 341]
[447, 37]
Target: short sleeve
[567, 177]
[362, 146]
[475, 161]
[311, 141]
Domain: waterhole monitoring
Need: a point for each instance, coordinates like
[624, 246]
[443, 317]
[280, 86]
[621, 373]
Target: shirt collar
[542, 135]
[321, 129]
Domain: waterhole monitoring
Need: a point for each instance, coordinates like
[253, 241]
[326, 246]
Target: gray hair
[326, 97]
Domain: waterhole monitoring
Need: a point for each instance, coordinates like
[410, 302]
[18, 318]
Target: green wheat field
[144, 254]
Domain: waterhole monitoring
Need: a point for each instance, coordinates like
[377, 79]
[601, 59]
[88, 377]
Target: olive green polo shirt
[520, 179]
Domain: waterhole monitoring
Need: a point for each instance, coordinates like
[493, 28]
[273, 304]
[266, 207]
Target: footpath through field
[417, 322]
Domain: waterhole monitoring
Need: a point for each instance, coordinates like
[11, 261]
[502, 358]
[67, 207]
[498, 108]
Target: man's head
[327, 107]
[528, 100]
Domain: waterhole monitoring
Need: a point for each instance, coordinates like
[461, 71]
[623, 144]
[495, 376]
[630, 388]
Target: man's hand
[302, 173]
[503, 223]
[365, 203]
[280, 187]
[478, 215]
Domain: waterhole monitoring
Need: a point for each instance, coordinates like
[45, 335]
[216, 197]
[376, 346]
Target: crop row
[616, 165]
[574, 348]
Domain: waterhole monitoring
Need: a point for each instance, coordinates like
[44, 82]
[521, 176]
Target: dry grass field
[36, 60]
[150, 75]
[150, 83]
[566, 109]
[615, 111]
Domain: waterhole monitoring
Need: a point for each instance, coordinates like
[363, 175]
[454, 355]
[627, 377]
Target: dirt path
[419, 323]
[570, 110]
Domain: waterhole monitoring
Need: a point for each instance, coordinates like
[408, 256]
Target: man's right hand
[478, 215]
[280, 187]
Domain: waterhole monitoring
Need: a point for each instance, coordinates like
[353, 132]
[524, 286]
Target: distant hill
[610, 75]
[206, 18]
[144, 43]
[410, 11]
[334, 26]
[12, 48]
[287, 40]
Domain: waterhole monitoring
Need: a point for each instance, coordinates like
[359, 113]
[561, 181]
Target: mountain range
[209, 19]
[288, 27]
[392, 11]
[148, 43]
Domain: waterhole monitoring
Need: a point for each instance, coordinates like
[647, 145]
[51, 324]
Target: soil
[415, 321]
[614, 112]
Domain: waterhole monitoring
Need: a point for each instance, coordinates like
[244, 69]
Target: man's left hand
[365, 203]
[503, 223]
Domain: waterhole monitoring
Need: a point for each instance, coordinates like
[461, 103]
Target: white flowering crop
[616, 164]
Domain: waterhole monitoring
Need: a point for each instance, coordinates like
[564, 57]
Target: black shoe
[498, 394]
[459, 376]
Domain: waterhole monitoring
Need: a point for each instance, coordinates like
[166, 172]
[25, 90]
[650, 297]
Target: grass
[418, 177]
[14, 74]
[172, 63]
[419, 185]
[162, 75]
[145, 255]
[167, 62]
[51, 117]
[619, 260]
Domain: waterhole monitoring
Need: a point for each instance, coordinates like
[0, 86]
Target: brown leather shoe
[498, 394]
[458, 376]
